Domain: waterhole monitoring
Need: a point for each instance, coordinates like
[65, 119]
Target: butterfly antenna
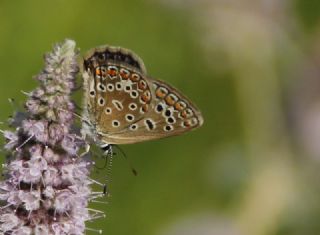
[134, 171]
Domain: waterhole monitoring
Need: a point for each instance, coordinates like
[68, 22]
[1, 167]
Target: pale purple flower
[47, 185]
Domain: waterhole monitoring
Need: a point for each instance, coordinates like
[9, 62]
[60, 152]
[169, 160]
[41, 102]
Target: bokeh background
[252, 67]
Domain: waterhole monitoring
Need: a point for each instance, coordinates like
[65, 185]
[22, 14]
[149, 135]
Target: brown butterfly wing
[169, 114]
[123, 105]
[114, 84]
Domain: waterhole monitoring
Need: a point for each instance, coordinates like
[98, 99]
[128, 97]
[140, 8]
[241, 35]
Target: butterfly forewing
[123, 105]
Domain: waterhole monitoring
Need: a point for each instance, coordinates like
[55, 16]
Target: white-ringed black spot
[168, 128]
[167, 113]
[108, 110]
[149, 124]
[133, 106]
[159, 108]
[133, 127]
[134, 94]
[92, 93]
[127, 88]
[118, 86]
[171, 120]
[110, 87]
[129, 117]
[115, 123]
[101, 101]
[101, 87]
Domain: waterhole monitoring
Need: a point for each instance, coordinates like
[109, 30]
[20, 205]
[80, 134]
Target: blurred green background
[252, 67]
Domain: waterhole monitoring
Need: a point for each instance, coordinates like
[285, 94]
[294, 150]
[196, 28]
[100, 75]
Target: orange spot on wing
[112, 72]
[161, 93]
[187, 123]
[183, 114]
[179, 106]
[142, 85]
[134, 77]
[145, 97]
[169, 100]
[124, 74]
[98, 71]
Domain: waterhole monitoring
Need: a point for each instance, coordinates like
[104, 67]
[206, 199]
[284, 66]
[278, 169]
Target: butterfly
[123, 105]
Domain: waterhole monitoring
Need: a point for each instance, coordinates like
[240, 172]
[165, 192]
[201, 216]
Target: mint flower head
[46, 187]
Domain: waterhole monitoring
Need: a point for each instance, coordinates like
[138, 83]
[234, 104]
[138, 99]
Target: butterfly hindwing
[170, 114]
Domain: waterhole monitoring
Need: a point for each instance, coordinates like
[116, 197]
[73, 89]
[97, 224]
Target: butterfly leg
[86, 150]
